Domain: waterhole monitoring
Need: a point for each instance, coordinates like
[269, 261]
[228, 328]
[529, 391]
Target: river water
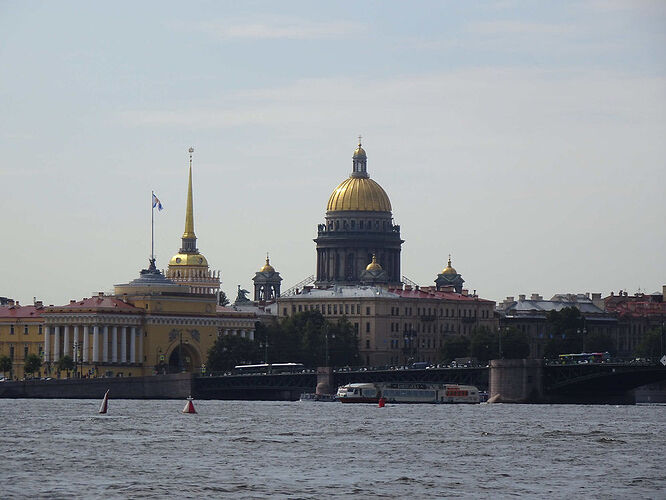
[148, 449]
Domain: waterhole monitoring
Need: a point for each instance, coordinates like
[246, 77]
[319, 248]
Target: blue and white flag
[157, 203]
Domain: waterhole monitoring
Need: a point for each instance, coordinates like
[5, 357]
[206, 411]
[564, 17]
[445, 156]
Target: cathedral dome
[448, 270]
[359, 193]
[188, 259]
[373, 266]
[267, 268]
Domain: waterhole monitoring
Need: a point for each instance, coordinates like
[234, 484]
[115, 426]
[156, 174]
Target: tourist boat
[408, 392]
[311, 397]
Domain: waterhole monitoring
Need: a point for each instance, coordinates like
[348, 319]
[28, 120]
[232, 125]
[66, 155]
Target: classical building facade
[21, 333]
[396, 325]
[358, 225]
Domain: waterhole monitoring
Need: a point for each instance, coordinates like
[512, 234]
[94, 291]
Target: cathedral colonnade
[94, 340]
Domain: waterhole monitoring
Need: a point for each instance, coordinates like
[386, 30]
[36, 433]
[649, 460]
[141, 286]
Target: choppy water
[62, 448]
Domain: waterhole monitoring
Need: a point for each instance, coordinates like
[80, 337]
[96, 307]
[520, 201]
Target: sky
[526, 139]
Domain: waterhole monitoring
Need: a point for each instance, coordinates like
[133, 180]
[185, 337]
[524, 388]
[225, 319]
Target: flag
[157, 203]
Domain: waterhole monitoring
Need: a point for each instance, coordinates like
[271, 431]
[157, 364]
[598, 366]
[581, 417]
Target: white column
[133, 345]
[114, 345]
[105, 345]
[140, 353]
[76, 341]
[47, 343]
[251, 334]
[123, 345]
[95, 344]
[86, 343]
[65, 349]
[56, 343]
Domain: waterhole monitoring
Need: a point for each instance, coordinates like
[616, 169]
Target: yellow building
[21, 334]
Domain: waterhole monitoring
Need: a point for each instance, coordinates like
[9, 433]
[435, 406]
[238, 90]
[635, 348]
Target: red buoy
[189, 406]
[382, 402]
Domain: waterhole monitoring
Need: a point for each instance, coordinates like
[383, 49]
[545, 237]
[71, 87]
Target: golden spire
[448, 269]
[189, 214]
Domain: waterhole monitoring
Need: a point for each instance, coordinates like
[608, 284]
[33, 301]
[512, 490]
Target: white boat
[408, 392]
[311, 397]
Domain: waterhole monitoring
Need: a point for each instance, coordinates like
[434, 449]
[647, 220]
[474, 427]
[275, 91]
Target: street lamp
[409, 337]
[77, 358]
[326, 335]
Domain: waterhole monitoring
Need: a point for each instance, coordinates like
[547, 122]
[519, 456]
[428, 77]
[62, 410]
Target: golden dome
[359, 193]
[373, 266]
[448, 269]
[188, 259]
[359, 152]
[267, 267]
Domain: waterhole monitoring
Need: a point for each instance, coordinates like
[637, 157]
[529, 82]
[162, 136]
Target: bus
[585, 357]
[269, 368]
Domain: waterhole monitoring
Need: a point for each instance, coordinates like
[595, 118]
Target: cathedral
[359, 225]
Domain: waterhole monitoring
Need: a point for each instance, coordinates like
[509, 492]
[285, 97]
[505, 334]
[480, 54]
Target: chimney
[535, 296]
[100, 294]
[521, 297]
[10, 302]
[509, 299]
[72, 301]
[408, 288]
[39, 304]
[465, 292]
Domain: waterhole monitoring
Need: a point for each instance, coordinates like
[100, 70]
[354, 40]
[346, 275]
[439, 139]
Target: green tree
[651, 345]
[5, 364]
[515, 344]
[565, 326]
[66, 363]
[32, 363]
[599, 342]
[484, 344]
[231, 350]
[455, 346]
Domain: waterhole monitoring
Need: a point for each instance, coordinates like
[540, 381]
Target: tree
[455, 346]
[5, 365]
[599, 342]
[231, 350]
[32, 363]
[651, 345]
[566, 326]
[484, 344]
[515, 344]
[66, 363]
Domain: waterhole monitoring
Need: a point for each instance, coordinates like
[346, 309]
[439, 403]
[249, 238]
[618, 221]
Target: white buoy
[105, 403]
[189, 406]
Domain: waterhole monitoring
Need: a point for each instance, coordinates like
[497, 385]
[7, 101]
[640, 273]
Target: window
[39, 330]
[367, 344]
[284, 311]
[25, 330]
[367, 327]
[346, 308]
[329, 308]
[335, 309]
[11, 330]
[11, 352]
[300, 308]
[367, 311]
[25, 351]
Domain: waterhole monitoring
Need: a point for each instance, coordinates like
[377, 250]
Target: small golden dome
[188, 259]
[267, 267]
[373, 266]
[359, 152]
[359, 193]
[448, 269]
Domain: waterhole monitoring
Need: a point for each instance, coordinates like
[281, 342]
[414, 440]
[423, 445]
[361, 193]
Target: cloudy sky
[527, 139]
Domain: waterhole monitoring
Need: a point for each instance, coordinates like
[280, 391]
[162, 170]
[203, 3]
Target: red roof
[104, 302]
[20, 311]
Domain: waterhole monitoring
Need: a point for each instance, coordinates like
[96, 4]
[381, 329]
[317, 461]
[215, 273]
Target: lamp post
[180, 352]
[326, 335]
[410, 337]
[77, 358]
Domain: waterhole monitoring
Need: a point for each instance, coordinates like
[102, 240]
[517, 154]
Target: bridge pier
[325, 381]
[516, 381]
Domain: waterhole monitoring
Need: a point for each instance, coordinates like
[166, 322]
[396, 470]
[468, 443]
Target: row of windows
[26, 351]
[331, 309]
[12, 330]
[432, 311]
[361, 225]
[431, 328]
[425, 343]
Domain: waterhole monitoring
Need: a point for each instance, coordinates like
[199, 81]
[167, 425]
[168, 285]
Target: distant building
[636, 315]
[21, 333]
[529, 315]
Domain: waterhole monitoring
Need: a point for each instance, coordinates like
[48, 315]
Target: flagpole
[152, 226]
